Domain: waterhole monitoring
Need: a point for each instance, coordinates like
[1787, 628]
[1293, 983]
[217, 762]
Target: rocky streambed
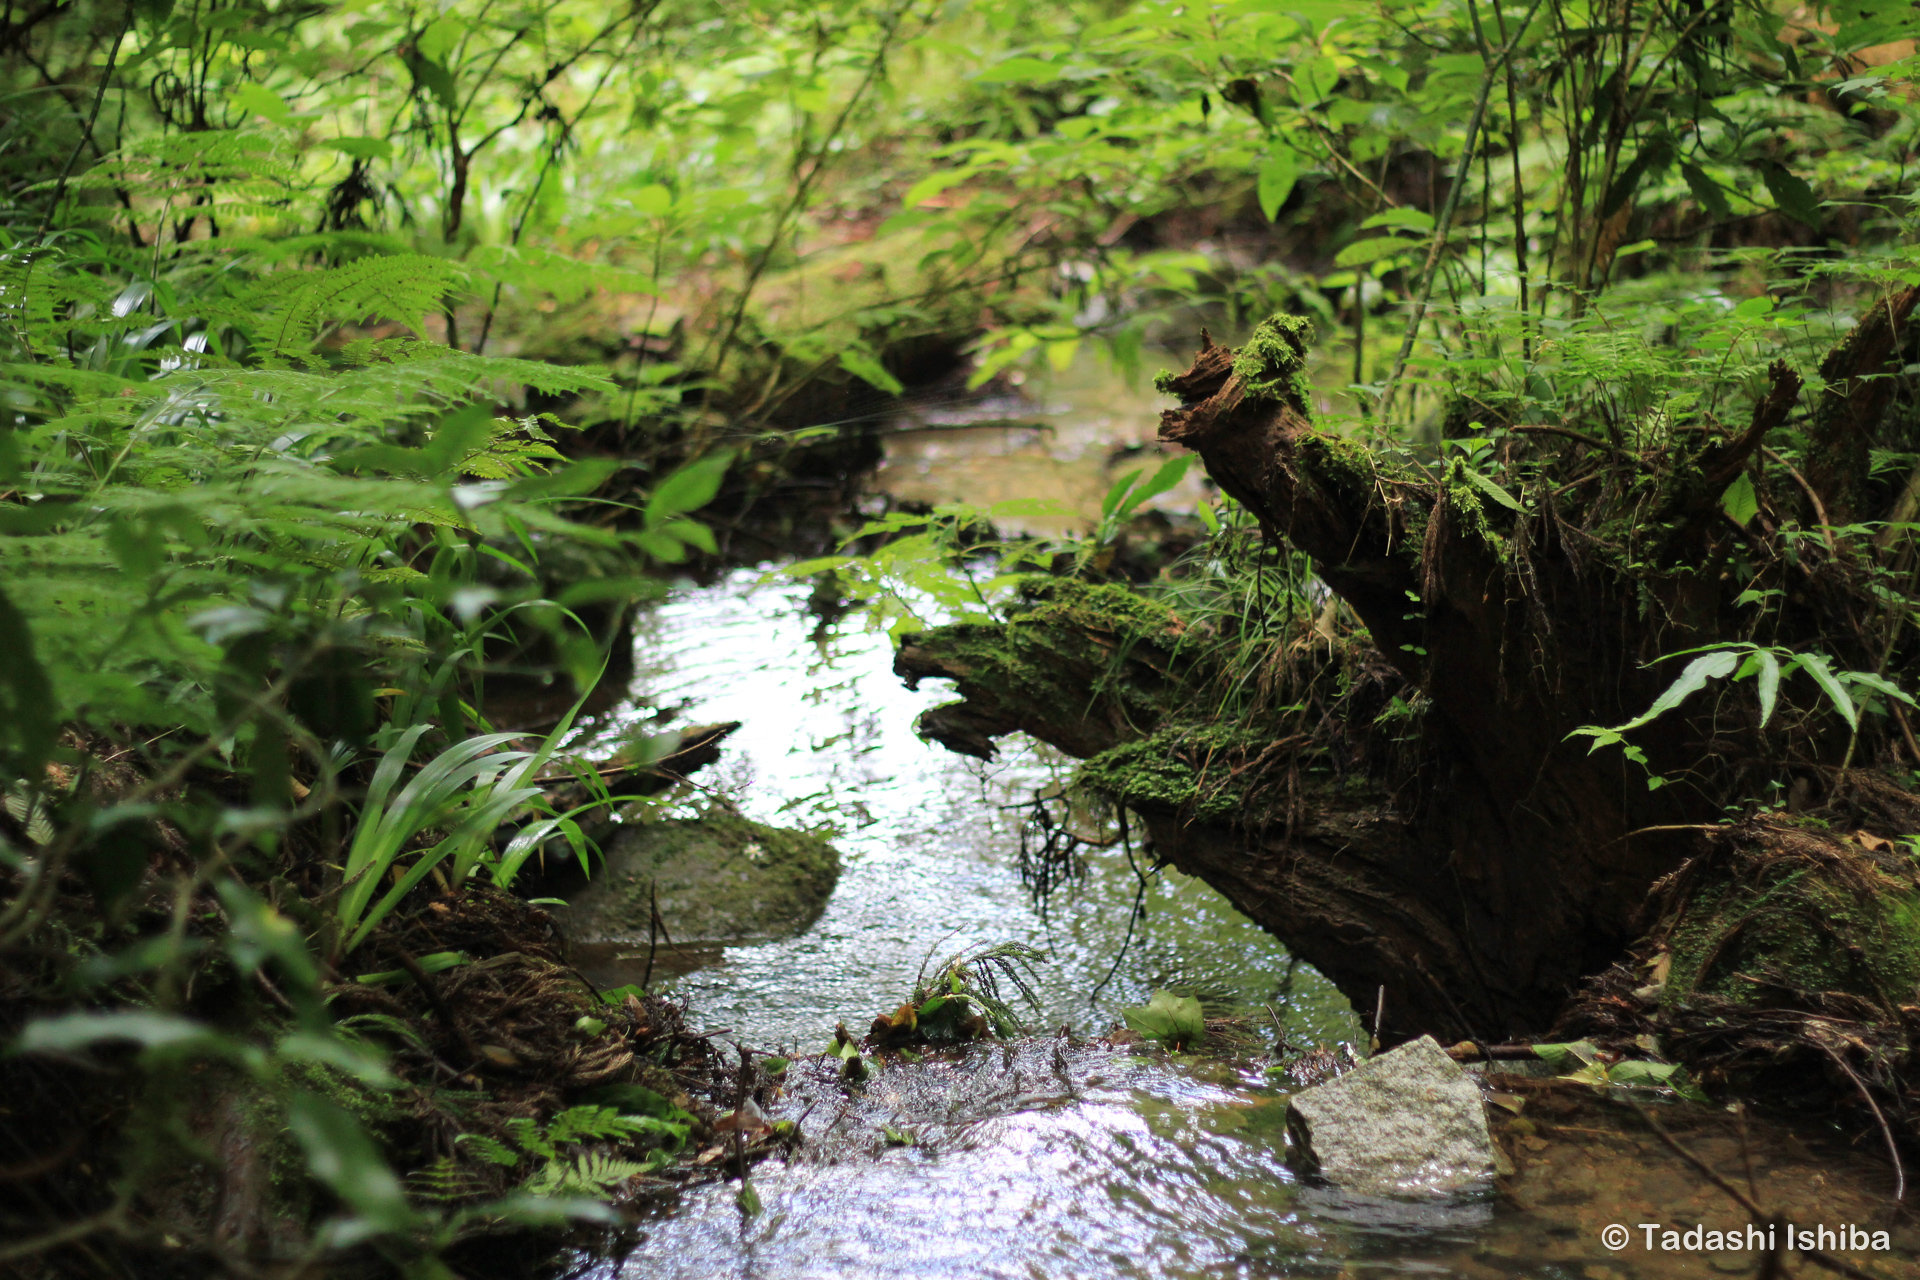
[1079, 1153]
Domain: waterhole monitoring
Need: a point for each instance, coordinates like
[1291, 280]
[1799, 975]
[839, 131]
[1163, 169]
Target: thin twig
[1819, 507]
[1886, 1132]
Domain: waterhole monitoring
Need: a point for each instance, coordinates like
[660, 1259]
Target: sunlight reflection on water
[931, 854]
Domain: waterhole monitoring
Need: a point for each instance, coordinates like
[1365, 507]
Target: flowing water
[1061, 1155]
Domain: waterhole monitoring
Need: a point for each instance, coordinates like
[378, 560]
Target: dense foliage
[364, 360]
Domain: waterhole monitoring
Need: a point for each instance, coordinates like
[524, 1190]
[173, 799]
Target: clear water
[1043, 1159]
[1060, 1156]
[929, 842]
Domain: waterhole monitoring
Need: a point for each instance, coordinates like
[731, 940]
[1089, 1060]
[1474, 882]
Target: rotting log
[1480, 884]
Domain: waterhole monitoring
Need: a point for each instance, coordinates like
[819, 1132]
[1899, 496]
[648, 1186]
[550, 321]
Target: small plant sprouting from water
[969, 996]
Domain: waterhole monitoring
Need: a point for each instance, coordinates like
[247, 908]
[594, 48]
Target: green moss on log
[1174, 769]
[1799, 924]
[1272, 364]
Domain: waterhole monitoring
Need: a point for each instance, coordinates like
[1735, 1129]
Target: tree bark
[1513, 861]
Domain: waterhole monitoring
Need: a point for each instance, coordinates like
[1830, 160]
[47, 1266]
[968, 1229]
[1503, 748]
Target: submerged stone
[720, 877]
[1403, 1123]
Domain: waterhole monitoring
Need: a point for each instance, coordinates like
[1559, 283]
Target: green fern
[587, 1173]
[489, 1149]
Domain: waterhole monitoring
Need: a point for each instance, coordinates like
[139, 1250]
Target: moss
[1159, 771]
[1465, 510]
[1272, 364]
[1102, 605]
[716, 877]
[1802, 926]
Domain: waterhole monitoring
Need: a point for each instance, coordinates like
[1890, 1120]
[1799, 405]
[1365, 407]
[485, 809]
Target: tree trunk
[1479, 883]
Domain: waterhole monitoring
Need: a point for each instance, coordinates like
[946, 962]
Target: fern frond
[588, 1173]
[489, 1149]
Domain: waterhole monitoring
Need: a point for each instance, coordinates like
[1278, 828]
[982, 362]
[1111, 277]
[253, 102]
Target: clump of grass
[967, 996]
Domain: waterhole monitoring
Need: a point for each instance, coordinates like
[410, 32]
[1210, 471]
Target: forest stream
[1062, 1154]
[950, 639]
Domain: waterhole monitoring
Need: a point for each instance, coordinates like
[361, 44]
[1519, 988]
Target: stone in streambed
[1403, 1123]
[717, 878]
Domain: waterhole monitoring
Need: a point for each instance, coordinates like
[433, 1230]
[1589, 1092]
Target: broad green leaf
[1642, 1074]
[1362, 252]
[688, 489]
[361, 148]
[653, 200]
[1170, 473]
[1879, 685]
[342, 1155]
[932, 185]
[1815, 665]
[869, 370]
[1792, 193]
[1277, 175]
[1708, 666]
[258, 99]
[1740, 502]
[1176, 1021]
[1487, 486]
[1768, 684]
[434, 79]
[144, 1027]
[1406, 218]
[1706, 191]
[1568, 1056]
[1118, 493]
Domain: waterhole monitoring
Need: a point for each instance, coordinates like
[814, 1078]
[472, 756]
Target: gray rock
[716, 878]
[1403, 1123]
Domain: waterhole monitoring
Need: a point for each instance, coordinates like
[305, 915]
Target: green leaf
[1361, 252]
[1792, 193]
[1708, 666]
[653, 200]
[1644, 1075]
[1706, 191]
[1740, 502]
[257, 99]
[869, 370]
[932, 185]
[688, 489]
[361, 148]
[1277, 176]
[1408, 219]
[1768, 684]
[1879, 684]
[435, 79]
[1486, 485]
[1117, 492]
[1568, 1056]
[149, 1030]
[342, 1155]
[1815, 665]
[1171, 472]
[1176, 1021]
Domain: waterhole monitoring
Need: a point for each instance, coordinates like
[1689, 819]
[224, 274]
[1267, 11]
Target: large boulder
[1409, 1122]
[719, 877]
